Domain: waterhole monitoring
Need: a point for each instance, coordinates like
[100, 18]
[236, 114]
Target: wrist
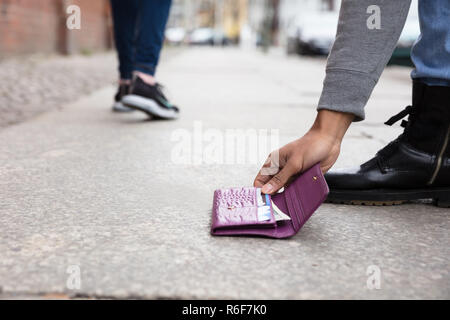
[332, 124]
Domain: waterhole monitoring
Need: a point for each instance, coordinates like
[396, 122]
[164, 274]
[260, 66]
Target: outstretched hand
[321, 143]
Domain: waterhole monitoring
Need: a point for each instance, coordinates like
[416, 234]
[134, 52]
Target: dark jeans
[139, 33]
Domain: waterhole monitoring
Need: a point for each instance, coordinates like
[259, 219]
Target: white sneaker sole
[120, 107]
[149, 106]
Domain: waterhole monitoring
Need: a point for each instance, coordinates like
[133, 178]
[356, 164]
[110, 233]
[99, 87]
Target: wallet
[245, 211]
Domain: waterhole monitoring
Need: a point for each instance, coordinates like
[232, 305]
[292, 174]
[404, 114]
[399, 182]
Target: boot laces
[388, 150]
[408, 111]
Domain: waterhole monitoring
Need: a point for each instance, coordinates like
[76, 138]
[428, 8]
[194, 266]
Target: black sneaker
[118, 105]
[150, 99]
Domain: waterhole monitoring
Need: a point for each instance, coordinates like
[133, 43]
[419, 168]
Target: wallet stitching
[291, 205]
[298, 207]
[214, 217]
[255, 203]
[272, 216]
[302, 210]
[288, 202]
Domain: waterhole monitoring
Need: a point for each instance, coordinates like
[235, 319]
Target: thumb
[279, 180]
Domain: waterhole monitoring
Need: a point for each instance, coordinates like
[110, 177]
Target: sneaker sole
[121, 108]
[149, 106]
[389, 197]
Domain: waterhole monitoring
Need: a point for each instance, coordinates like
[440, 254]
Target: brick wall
[30, 26]
[95, 33]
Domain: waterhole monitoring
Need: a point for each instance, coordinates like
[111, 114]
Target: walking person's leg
[145, 94]
[124, 15]
[417, 164]
[150, 36]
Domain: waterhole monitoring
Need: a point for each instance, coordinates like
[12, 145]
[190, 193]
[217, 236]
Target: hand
[321, 143]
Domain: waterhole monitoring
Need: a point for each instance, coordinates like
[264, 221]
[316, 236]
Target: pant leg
[431, 53]
[151, 23]
[124, 13]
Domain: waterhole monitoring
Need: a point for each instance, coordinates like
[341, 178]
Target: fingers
[280, 179]
[261, 180]
[265, 174]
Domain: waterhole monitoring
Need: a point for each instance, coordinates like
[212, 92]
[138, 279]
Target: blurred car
[313, 34]
[409, 35]
[220, 39]
[175, 35]
[202, 36]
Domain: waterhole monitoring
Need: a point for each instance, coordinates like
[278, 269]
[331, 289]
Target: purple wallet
[237, 211]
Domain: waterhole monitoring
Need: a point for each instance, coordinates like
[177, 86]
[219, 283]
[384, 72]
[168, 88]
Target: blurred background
[300, 26]
[34, 41]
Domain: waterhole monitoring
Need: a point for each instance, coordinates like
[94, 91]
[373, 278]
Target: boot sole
[389, 197]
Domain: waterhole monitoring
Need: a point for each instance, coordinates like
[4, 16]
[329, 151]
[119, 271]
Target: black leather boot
[414, 166]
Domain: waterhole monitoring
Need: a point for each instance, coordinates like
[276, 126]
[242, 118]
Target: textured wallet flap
[235, 207]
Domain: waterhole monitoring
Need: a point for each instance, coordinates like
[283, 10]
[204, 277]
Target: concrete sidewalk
[84, 189]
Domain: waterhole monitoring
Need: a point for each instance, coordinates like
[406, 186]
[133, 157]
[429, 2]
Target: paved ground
[106, 193]
[38, 83]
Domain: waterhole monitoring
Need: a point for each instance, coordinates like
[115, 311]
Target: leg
[151, 22]
[417, 164]
[124, 16]
[431, 53]
[145, 94]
